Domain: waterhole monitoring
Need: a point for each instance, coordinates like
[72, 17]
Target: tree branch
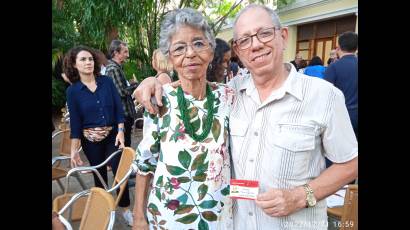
[221, 20]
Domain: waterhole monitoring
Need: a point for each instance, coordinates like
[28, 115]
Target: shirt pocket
[295, 137]
[293, 146]
[238, 129]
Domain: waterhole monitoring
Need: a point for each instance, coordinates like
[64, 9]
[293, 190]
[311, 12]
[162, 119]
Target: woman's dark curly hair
[69, 61]
[216, 65]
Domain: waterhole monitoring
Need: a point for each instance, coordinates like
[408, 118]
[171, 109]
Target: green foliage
[64, 35]
[130, 68]
[220, 11]
[58, 93]
[96, 22]
[283, 3]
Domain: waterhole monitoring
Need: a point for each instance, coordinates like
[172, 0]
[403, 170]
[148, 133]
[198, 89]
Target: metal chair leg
[60, 184]
[80, 181]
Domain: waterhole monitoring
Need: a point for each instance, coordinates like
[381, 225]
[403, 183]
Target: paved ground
[88, 180]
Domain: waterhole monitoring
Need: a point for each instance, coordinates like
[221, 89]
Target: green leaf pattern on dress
[184, 196]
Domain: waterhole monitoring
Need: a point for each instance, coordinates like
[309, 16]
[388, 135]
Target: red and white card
[244, 189]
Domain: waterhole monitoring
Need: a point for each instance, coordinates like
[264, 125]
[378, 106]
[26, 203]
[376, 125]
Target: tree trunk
[60, 4]
[112, 34]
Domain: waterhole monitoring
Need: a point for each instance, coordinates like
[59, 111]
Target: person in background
[96, 115]
[333, 57]
[103, 60]
[315, 68]
[234, 66]
[343, 74]
[297, 60]
[218, 70]
[303, 64]
[163, 66]
[119, 54]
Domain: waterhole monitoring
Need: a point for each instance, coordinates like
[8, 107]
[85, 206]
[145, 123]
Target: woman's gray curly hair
[181, 17]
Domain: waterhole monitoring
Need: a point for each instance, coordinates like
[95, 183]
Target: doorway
[323, 47]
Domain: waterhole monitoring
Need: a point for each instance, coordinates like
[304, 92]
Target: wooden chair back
[349, 218]
[95, 208]
[77, 209]
[65, 143]
[127, 157]
[98, 210]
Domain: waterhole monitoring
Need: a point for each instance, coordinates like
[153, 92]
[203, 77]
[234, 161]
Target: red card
[244, 189]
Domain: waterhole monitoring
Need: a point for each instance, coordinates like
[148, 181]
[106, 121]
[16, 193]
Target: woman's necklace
[189, 129]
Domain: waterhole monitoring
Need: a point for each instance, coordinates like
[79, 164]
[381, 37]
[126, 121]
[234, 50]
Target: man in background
[296, 62]
[343, 74]
[119, 53]
[333, 57]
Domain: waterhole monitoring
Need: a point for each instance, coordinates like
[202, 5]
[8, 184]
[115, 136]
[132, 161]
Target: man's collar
[247, 84]
[114, 62]
[348, 55]
[292, 84]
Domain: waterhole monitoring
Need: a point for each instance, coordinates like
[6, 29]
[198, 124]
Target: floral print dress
[190, 187]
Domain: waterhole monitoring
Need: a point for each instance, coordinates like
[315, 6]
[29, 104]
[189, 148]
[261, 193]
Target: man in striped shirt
[283, 124]
[119, 54]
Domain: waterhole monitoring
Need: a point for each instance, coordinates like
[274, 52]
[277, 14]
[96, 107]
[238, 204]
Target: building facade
[314, 26]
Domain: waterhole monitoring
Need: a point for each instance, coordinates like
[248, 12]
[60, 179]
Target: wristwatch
[310, 197]
[120, 129]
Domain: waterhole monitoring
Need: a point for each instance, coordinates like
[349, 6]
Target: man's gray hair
[116, 46]
[272, 13]
[183, 17]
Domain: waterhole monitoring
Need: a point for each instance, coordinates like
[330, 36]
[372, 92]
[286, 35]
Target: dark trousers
[129, 122]
[96, 153]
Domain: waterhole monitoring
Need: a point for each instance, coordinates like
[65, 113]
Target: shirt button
[250, 214]
[251, 160]
[98, 101]
[102, 116]
[256, 133]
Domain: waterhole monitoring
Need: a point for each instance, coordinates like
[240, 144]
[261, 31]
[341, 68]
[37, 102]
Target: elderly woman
[185, 146]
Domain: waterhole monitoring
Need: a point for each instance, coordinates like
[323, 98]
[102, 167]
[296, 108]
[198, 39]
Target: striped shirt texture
[283, 141]
[115, 71]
